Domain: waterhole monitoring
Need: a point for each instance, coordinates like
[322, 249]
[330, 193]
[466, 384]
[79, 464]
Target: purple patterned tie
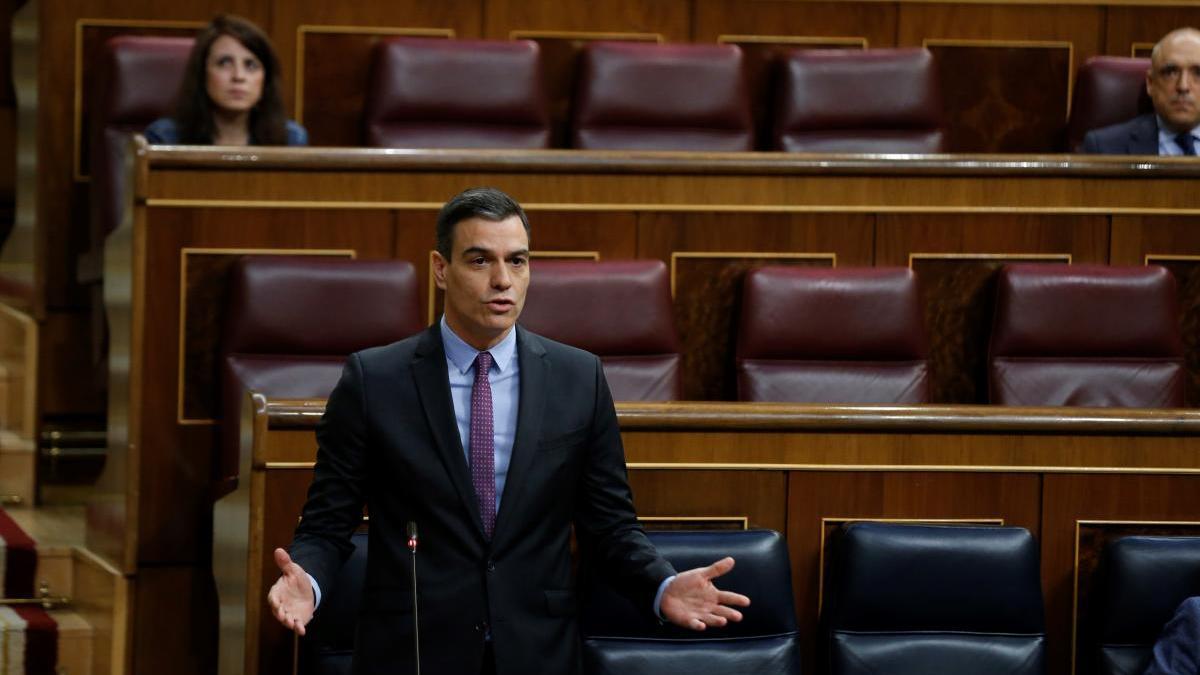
[483, 461]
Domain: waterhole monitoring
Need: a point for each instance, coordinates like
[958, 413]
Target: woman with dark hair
[230, 92]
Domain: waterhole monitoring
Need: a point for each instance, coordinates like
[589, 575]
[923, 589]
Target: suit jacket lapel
[1143, 140]
[433, 388]
[535, 370]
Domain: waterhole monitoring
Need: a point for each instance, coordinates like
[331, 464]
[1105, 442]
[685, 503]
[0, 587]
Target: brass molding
[1135, 46]
[783, 255]
[159, 202]
[794, 40]
[305, 29]
[1020, 44]
[585, 255]
[934, 468]
[743, 521]
[825, 521]
[1150, 258]
[183, 268]
[1079, 525]
[583, 35]
[288, 466]
[1058, 257]
[77, 124]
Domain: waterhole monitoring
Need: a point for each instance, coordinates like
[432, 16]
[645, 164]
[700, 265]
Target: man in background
[1172, 82]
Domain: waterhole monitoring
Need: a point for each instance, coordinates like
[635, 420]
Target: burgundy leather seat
[831, 336]
[1108, 90]
[647, 96]
[872, 101]
[620, 311]
[1086, 335]
[429, 93]
[138, 82]
[292, 321]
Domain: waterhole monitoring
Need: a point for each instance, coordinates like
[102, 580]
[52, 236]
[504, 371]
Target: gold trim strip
[1169, 258]
[77, 125]
[678, 208]
[583, 35]
[794, 40]
[1023, 44]
[1135, 46]
[743, 520]
[304, 29]
[1061, 257]
[676, 255]
[898, 468]
[183, 267]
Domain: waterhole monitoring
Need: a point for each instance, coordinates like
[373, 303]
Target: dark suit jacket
[1177, 651]
[389, 439]
[1138, 136]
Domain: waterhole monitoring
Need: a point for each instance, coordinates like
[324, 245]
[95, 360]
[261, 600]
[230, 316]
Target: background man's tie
[1187, 142]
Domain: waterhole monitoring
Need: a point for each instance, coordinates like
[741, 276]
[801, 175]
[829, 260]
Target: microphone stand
[412, 546]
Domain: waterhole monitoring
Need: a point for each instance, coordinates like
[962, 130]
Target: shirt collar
[462, 355]
[1165, 134]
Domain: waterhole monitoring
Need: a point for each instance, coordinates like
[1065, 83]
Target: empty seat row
[1070, 335]
[639, 96]
[898, 598]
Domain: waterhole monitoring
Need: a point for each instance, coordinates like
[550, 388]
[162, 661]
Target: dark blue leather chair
[918, 599]
[1143, 580]
[619, 637]
[327, 647]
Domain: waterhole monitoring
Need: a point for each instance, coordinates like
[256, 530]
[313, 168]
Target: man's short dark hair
[480, 202]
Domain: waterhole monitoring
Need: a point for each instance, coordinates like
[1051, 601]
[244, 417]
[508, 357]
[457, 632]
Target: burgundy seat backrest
[620, 311]
[872, 101]
[850, 335]
[1086, 335]
[1108, 90]
[292, 321]
[429, 93]
[648, 96]
[138, 82]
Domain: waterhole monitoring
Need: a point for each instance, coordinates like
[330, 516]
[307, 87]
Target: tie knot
[483, 363]
[1187, 142]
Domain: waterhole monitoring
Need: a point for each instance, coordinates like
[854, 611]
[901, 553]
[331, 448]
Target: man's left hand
[692, 601]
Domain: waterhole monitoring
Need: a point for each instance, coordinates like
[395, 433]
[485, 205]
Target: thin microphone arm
[412, 546]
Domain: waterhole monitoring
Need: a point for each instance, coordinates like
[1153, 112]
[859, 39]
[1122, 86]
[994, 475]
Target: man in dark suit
[494, 442]
[1173, 83]
[1177, 651]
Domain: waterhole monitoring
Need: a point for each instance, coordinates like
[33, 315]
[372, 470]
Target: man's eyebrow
[522, 252]
[475, 250]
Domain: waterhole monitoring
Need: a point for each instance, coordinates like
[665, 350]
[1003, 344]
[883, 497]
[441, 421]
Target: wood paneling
[875, 21]
[986, 109]
[669, 18]
[1186, 270]
[1126, 26]
[1070, 498]
[464, 17]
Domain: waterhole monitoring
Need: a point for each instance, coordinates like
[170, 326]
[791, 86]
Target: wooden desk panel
[380, 204]
[804, 470]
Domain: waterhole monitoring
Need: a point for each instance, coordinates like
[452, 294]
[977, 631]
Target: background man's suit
[1138, 136]
[389, 437]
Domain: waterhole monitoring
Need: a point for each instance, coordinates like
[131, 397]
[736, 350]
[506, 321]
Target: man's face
[1173, 80]
[485, 279]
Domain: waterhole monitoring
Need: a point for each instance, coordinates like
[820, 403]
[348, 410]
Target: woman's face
[235, 75]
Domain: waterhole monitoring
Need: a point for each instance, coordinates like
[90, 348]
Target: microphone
[412, 546]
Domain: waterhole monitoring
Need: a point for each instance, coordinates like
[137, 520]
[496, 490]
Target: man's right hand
[291, 598]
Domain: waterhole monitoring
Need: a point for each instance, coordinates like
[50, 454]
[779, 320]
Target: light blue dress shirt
[505, 379]
[1166, 140]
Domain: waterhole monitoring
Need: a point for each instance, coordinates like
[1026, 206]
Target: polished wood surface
[1064, 474]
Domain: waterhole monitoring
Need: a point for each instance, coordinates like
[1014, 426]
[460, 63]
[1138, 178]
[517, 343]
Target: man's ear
[439, 269]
